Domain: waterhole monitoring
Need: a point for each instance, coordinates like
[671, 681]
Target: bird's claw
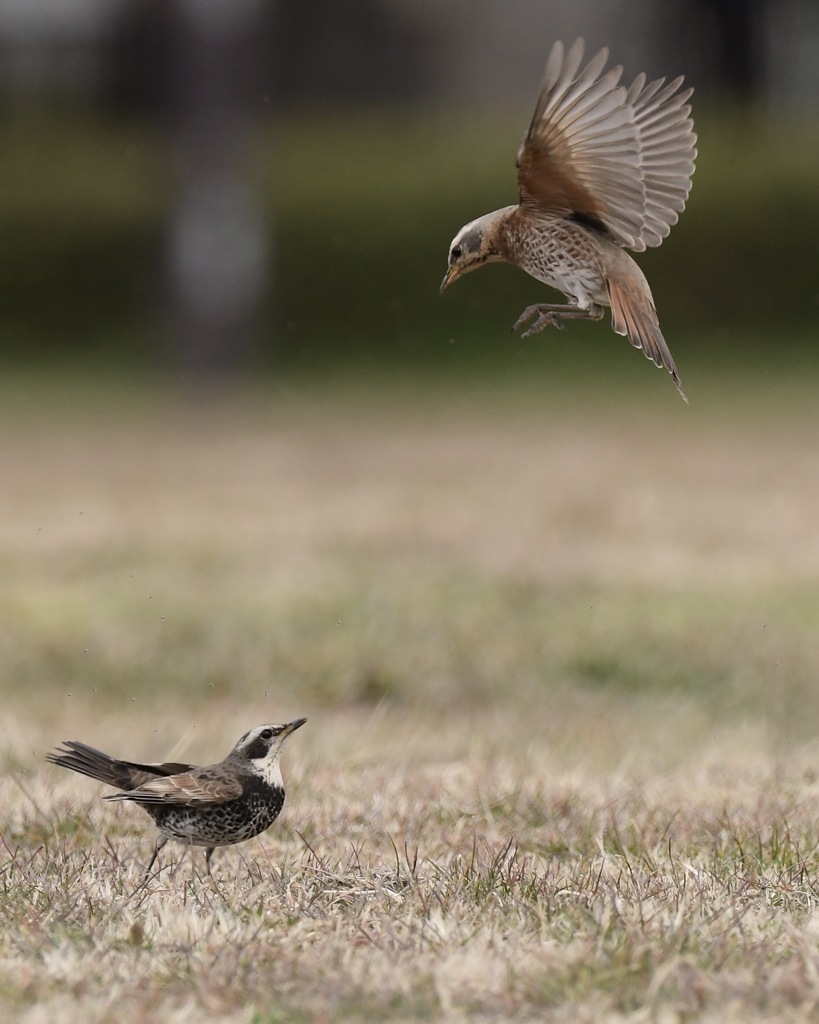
[543, 321]
[545, 318]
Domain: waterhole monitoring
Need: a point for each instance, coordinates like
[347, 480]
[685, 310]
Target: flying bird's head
[476, 243]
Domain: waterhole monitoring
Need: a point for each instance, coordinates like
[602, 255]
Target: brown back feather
[201, 786]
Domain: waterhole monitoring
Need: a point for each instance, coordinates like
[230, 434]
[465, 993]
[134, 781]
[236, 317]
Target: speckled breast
[223, 824]
[561, 254]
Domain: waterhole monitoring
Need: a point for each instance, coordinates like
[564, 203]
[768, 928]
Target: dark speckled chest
[222, 824]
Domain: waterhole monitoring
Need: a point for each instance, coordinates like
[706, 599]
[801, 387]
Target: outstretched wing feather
[624, 156]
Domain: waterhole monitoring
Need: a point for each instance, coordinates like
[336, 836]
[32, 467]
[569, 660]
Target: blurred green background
[361, 244]
[260, 199]
[355, 182]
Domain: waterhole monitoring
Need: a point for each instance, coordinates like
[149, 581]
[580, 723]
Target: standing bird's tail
[92, 762]
[634, 316]
[127, 775]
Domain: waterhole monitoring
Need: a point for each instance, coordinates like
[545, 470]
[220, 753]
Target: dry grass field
[558, 649]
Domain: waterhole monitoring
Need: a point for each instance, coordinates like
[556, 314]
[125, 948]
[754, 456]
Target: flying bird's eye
[266, 734]
[456, 253]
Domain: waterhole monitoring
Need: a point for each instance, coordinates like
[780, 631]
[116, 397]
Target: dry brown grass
[558, 655]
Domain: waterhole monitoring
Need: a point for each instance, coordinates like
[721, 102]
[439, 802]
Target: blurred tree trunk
[217, 244]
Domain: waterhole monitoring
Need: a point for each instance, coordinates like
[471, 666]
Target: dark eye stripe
[258, 748]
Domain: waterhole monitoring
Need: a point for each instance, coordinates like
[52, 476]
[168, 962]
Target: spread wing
[620, 157]
[198, 788]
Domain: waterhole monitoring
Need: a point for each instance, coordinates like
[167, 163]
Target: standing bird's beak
[451, 275]
[292, 726]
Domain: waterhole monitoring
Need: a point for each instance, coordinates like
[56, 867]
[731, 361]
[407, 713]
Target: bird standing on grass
[219, 805]
[602, 168]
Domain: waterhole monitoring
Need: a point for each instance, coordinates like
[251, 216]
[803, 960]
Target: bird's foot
[545, 317]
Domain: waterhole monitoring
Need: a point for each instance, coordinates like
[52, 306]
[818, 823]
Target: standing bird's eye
[266, 734]
[455, 254]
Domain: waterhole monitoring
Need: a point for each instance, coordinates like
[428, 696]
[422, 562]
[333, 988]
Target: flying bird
[218, 805]
[603, 168]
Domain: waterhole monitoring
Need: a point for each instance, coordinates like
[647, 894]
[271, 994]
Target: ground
[556, 645]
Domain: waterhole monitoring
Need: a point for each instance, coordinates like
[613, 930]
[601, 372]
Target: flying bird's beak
[451, 275]
[291, 727]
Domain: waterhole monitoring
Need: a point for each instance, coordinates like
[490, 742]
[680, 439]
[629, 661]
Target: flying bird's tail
[634, 316]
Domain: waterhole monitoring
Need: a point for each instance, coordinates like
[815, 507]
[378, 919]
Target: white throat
[270, 771]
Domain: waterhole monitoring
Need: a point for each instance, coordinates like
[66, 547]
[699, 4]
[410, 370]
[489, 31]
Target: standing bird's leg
[160, 842]
[208, 855]
[553, 314]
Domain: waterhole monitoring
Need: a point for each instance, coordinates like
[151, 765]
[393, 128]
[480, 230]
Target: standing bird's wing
[196, 788]
[619, 158]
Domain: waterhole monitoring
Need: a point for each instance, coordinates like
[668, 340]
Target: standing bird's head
[262, 747]
[476, 243]
[264, 743]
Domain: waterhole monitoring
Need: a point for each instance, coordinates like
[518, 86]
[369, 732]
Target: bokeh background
[272, 187]
[232, 389]
[554, 631]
